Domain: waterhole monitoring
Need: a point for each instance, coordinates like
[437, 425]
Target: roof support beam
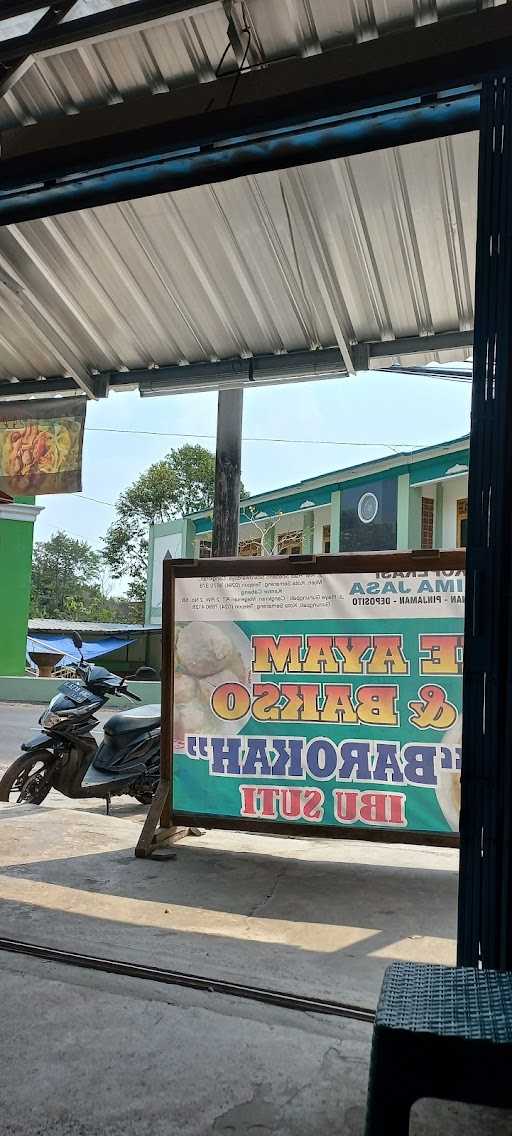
[437, 57]
[291, 367]
[419, 344]
[31, 191]
[357, 98]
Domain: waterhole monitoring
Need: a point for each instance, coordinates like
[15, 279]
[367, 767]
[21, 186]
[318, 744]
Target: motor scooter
[65, 755]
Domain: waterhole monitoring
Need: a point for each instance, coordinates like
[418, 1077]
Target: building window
[289, 544]
[427, 522]
[249, 548]
[462, 522]
[205, 549]
[326, 538]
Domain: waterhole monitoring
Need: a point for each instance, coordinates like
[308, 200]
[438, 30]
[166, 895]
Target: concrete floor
[311, 916]
[105, 1054]
[97, 1055]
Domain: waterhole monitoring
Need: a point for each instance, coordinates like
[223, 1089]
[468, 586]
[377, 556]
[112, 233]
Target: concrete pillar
[308, 531]
[336, 521]
[402, 513]
[415, 518]
[438, 533]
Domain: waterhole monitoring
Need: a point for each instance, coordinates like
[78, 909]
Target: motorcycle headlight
[50, 719]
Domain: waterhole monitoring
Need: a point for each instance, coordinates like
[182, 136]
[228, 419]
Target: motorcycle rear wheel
[26, 777]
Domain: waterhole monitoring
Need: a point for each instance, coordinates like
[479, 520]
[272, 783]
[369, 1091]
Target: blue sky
[371, 408]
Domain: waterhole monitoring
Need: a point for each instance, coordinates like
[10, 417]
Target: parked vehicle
[65, 755]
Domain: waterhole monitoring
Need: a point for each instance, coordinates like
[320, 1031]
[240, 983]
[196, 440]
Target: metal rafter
[17, 293]
[55, 12]
[100, 25]
[12, 8]
[293, 112]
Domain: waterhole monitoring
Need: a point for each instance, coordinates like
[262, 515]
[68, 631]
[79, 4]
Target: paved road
[18, 721]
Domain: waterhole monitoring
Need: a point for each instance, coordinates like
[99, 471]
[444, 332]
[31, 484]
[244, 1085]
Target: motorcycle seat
[128, 721]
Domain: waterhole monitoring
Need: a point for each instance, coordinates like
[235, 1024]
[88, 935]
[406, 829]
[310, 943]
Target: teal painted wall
[439, 467]
[15, 581]
[416, 471]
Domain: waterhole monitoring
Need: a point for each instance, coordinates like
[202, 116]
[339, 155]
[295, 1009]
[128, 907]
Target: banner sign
[320, 699]
[41, 446]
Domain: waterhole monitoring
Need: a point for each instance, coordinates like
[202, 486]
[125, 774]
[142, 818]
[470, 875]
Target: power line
[284, 441]
[97, 500]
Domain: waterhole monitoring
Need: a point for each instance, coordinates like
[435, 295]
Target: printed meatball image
[209, 685]
[190, 718]
[185, 688]
[202, 649]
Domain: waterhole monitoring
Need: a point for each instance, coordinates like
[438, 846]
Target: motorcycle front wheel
[26, 781]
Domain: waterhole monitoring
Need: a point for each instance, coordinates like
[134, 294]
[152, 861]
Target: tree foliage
[68, 582]
[180, 484]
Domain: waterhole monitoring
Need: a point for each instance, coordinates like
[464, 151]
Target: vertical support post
[415, 518]
[485, 924]
[308, 531]
[160, 809]
[438, 533]
[167, 677]
[226, 510]
[149, 577]
[336, 521]
[402, 512]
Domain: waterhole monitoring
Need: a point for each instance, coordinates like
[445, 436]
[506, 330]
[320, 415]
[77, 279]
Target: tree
[180, 484]
[266, 527]
[63, 569]
[68, 582]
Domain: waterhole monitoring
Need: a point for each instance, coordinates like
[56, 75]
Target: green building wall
[16, 538]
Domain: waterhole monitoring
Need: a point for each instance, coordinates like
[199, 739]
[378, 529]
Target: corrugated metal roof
[372, 247]
[168, 53]
[77, 625]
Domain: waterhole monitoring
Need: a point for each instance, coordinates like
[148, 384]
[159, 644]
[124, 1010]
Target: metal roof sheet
[78, 625]
[169, 52]
[372, 247]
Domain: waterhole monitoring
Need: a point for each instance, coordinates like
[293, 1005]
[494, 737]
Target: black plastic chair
[441, 1032]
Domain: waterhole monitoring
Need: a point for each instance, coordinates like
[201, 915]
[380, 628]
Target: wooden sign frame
[164, 824]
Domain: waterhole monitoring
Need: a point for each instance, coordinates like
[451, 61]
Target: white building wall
[453, 491]
[322, 517]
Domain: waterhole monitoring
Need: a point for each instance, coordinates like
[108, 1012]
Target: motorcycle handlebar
[129, 694]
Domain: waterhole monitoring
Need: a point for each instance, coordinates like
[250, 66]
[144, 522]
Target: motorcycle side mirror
[145, 674]
[77, 640]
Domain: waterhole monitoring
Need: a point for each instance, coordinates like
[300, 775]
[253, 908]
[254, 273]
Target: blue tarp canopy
[63, 645]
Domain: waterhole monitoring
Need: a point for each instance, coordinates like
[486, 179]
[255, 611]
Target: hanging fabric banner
[41, 446]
